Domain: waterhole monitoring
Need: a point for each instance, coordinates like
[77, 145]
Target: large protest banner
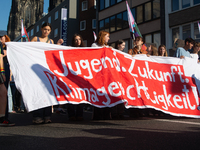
[49, 74]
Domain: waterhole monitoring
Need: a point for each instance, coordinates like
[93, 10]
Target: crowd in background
[14, 102]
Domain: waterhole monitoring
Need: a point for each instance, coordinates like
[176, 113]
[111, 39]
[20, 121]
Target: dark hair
[118, 43]
[73, 40]
[140, 38]
[189, 40]
[46, 24]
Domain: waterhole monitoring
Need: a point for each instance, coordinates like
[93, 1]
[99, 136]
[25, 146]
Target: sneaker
[38, 120]
[47, 120]
[7, 123]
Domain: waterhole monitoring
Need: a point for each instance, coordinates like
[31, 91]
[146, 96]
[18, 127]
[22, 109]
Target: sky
[5, 6]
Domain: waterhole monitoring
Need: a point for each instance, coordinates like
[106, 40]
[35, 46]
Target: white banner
[48, 74]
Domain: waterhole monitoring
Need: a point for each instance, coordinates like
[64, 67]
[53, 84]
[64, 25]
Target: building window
[49, 19]
[101, 25]
[119, 1]
[102, 4]
[186, 31]
[125, 20]
[175, 5]
[185, 3]
[196, 2]
[148, 38]
[95, 4]
[32, 32]
[140, 14]
[56, 15]
[84, 5]
[112, 2]
[56, 32]
[93, 23]
[37, 29]
[175, 34]
[196, 32]
[43, 22]
[156, 39]
[119, 21]
[107, 25]
[82, 25]
[156, 9]
[112, 24]
[147, 11]
[107, 3]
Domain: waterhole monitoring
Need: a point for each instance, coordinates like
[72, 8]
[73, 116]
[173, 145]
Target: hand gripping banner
[49, 74]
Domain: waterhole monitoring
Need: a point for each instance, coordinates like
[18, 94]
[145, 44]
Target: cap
[2, 33]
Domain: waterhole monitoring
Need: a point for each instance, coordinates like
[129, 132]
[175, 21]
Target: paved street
[154, 133]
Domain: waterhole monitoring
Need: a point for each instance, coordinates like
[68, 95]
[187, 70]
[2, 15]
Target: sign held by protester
[50, 75]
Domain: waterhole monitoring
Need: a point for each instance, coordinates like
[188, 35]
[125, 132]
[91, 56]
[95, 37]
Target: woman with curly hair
[102, 39]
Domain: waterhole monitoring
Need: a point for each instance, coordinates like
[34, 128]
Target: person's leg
[47, 114]
[3, 100]
[7, 74]
[13, 90]
[79, 112]
[10, 102]
[71, 112]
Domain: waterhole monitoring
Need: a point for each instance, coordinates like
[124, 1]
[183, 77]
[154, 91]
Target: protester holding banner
[162, 50]
[46, 30]
[4, 39]
[3, 93]
[43, 115]
[183, 52]
[137, 49]
[75, 112]
[120, 45]
[102, 39]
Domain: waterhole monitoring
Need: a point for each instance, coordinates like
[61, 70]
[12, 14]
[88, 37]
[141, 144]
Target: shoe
[38, 120]
[47, 120]
[7, 123]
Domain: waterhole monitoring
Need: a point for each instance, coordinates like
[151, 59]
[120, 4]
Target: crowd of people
[75, 112]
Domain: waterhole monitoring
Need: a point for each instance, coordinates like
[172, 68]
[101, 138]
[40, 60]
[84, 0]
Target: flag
[24, 34]
[144, 47]
[95, 37]
[132, 24]
[198, 26]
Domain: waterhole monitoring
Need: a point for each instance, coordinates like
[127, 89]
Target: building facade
[181, 20]
[54, 18]
[87, 18]
[29, 10]
[112, 17]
